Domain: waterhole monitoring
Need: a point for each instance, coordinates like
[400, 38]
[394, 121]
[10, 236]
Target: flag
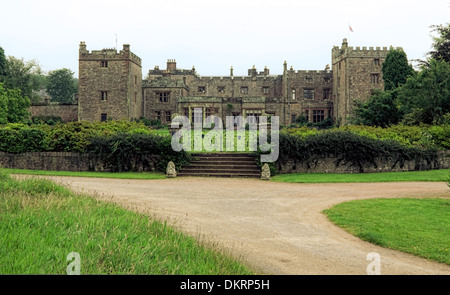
[350, 28]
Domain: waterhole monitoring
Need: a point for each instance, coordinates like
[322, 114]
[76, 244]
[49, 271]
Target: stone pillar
[171, 172]
[265, 172]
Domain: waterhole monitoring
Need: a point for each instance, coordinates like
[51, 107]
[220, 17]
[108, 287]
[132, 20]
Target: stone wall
[67, 112]
[353, 69]
[331, 165]
[65, 161]
[110, 84]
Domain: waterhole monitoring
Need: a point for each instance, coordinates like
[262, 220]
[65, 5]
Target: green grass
[41, 223]
[121, 175]
[416, 226]
[430, 175]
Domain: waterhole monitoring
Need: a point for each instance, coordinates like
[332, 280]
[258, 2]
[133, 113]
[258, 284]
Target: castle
[111, 87]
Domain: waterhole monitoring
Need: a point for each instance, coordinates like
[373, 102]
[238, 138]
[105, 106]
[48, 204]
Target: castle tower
[356, 72]
[110, 84]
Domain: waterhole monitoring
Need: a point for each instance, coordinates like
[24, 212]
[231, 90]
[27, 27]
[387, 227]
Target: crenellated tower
[356, 72]
[110, 84]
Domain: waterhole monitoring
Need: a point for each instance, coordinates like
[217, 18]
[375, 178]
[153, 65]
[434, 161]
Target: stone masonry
[111, 87]
[110, 84]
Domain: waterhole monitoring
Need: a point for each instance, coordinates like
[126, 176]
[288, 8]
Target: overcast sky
[215, 35]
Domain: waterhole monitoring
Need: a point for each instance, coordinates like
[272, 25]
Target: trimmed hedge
[116, 142]
[347, 148]
[121, 151]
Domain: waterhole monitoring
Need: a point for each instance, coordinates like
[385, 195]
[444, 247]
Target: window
[158, 115]
[244, 90]
[308, 93]
[168, 116]
[375, 78]
[104, 95]
[199, 117]
[135, 80]
[103, 117]
[211, 111]
[255, 113]
[376, 61]
[135, 97]
[307, 115]
[104, 64]
[201, 89]
[163, 97]
[293, 94]
[221, 89]
[293, 117]
[318, 116]
[309, 80]
[265, 90]
[327, 93]
[327, 79]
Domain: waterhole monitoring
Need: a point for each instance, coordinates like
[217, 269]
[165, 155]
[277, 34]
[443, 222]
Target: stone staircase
[222, 165]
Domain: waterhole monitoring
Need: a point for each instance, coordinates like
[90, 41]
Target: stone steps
[222, 165]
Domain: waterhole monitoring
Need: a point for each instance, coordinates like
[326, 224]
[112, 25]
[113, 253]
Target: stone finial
[171, 172]
[265, 172]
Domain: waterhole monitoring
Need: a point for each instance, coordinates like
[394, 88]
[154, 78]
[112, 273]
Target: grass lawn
[122, 175]
[41, 223]
[430, 175]
[417, 226]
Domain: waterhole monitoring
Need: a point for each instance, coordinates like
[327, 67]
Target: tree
[61, 85]
[441, 43]
[2, 63]
[13, 105]
[26, 76]
[396, 69]
[380, 110]
[426, 96]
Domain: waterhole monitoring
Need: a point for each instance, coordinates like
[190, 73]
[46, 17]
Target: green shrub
[22, 140]
[121, 151]
[347, 148]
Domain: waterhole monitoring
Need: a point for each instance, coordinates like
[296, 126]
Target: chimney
[231, 71]
[171, 65]
[126, 47]
[252, 72]
[82, 50]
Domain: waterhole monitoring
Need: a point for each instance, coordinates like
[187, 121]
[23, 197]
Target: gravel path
[278, 228]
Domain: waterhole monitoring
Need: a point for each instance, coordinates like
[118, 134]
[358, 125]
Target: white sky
[215, 35]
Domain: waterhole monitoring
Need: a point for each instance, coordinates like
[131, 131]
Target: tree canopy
[426, 96]
[61, 85]
[13, 105]
[441, 43]
[2, 63]
[396, 69]
[24, 75]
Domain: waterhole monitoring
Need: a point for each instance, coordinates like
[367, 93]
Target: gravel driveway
[277, 228]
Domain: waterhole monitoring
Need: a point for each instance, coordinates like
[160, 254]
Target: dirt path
[277, 227]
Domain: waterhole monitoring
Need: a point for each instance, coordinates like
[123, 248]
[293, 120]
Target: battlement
[108, 53]
[350, 51]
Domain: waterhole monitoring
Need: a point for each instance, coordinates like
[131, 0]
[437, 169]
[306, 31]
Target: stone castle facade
[111, 87]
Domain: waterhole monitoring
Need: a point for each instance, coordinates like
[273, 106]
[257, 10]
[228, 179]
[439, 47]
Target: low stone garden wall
[332, 165]
[66, 161]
